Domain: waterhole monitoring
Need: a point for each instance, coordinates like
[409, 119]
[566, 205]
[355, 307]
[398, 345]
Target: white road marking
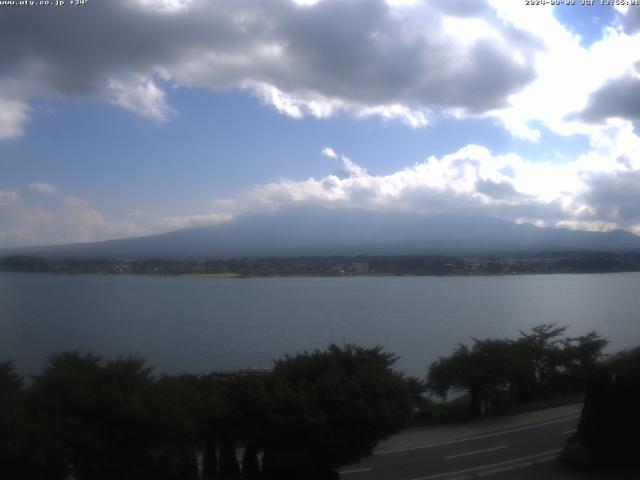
[507, 468]
[568, 432]
[476, 452]
[478, 437]
[546, 459]
[357, 470]
[491, 466]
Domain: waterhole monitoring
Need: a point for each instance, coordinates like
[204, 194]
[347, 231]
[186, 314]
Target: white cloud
[165, 6]
[594, 192]
[60, 219]
[14, 115]
[306, 3]
[140, 96]
[402, 3]
[284, 103]
[599, 190]
[328, 152]
[8, 198]
[175, 223]
[37, 215]
[413, 118]
[568, 74]
[84, 223]
[43, 188]
[81, 213]
[403, 60]
[399, 60]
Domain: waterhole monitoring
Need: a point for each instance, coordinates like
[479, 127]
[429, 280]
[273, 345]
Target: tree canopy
[334, 406]
[97, 419]
[525, 368]
[607, 434]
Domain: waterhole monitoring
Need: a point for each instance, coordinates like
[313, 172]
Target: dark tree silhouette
[174, 403]
[12, 442]
[105, 420]
[480, 370]
[539, 362]
[250, 464]
[608, 429]
[210, 460]
[92, 417]
[331, 408]
[229, 468]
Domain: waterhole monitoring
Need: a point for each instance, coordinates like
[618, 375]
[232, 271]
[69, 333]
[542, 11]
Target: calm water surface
[201, 324]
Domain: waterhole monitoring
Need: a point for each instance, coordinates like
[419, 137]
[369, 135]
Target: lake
[199, 324]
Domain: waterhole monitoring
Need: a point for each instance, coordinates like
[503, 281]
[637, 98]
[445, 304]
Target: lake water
[201, 324]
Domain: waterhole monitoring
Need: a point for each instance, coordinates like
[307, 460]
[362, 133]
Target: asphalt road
[516, 450]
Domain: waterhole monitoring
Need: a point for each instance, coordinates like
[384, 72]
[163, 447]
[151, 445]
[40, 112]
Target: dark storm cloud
[362, 53]
[615, 196]
[75, 50]
[618, 98]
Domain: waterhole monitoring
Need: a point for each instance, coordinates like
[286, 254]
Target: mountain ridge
[300, 231]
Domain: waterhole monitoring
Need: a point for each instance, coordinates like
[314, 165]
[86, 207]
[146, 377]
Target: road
[485, 454]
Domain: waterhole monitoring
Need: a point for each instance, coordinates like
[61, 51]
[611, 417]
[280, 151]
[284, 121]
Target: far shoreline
[235, 276]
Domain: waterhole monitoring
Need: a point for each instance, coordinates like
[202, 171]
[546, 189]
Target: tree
[608, 428]
[537, 356]
[174, 404]
[92, 417]
[12, 449]
[250, 464]
[210, 419]
[330, 408]
[24, 263]
[538, 362]
[245, 401]
[481, 371]
[581, 354]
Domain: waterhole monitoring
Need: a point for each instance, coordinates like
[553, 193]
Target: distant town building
[360, 267]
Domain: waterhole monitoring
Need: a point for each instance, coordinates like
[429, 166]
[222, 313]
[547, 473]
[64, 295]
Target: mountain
[322, 232]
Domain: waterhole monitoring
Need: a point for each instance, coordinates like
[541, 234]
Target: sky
[134, 117]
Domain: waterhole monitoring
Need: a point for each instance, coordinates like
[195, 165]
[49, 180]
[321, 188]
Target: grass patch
[217, 275]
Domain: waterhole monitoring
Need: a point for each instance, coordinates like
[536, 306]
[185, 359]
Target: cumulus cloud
[594, 192]
[496, 190]
[614, 197]
[631, 19]
[8, 198]
[567, 74]
[175, 223]
[61, 219]
[617, 98]
[47, 218]
[140, 96]
[599, 190]
[328, 152]
[13, 116]
[366, 57]
[404, 60]
[81, 213]
[43, 188]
